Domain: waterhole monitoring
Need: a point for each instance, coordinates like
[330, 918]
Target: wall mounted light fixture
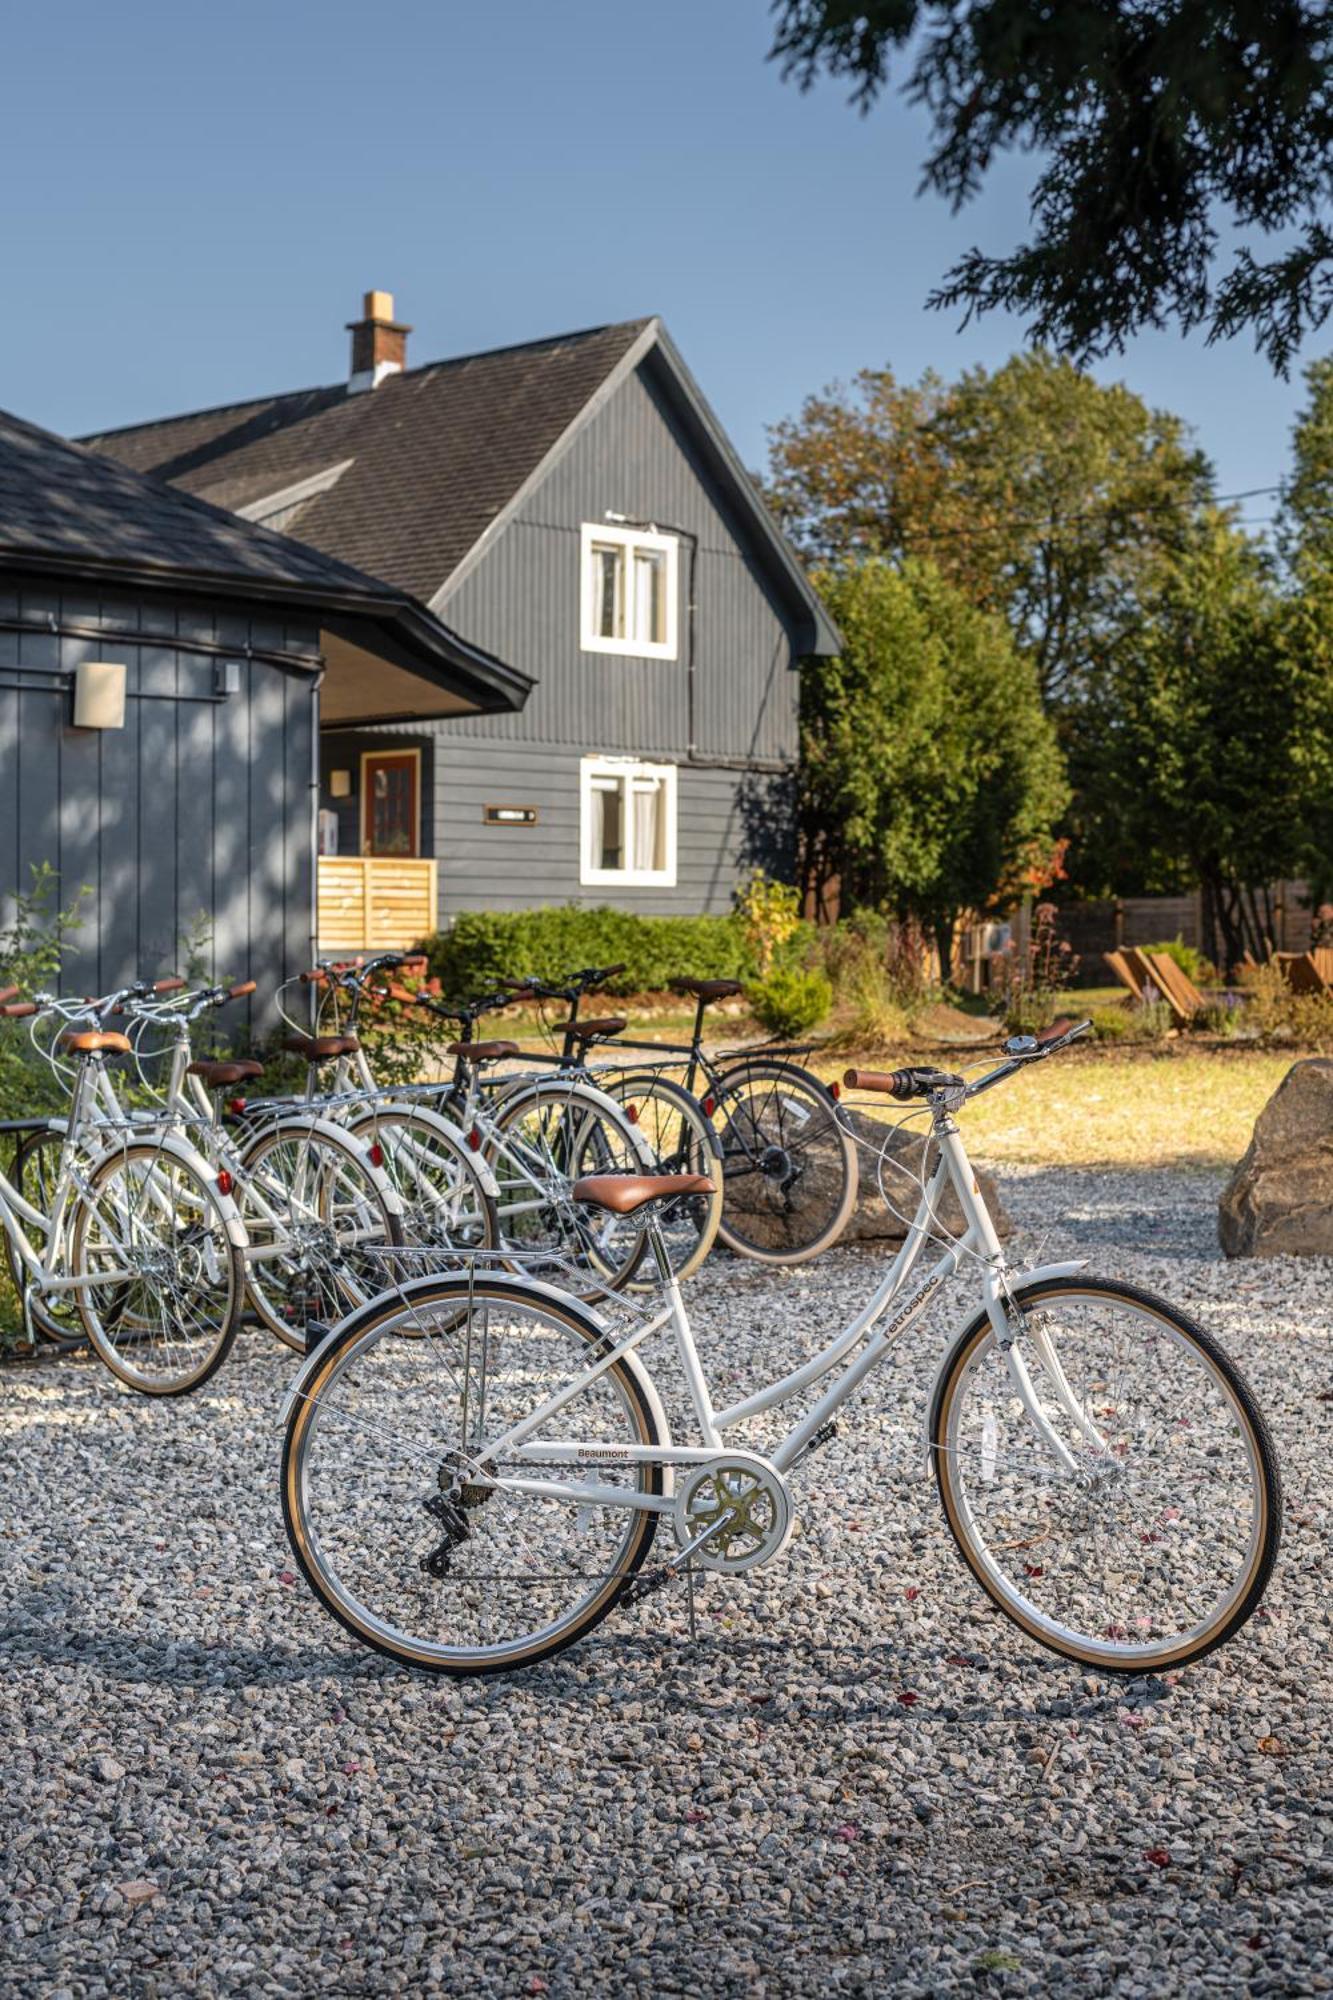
[99, 694]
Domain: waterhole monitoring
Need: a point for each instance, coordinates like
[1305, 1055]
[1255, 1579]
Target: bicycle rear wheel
[676, 1130]
[404, 1525]
[446, 1204]
[788, 1166]
[549, 1133]
[1154, 1544]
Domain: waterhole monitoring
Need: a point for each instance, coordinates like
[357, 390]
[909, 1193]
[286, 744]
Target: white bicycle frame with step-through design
[74, 1184]
[978, 1242]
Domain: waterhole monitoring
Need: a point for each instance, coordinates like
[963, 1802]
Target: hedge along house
[573, 504]
[163, 670]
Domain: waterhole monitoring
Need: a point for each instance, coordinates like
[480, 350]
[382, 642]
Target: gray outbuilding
[163, 669]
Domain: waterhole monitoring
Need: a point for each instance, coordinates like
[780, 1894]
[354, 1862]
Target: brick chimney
[379, 343]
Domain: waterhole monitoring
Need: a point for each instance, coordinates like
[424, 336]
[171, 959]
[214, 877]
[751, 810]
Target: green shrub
[1280, 1017]
[790, 1001]
[1191, 962]
[1136, 1023]
[486, 946]
[31, 948]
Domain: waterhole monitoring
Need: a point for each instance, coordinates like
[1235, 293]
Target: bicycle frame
[524, 1444]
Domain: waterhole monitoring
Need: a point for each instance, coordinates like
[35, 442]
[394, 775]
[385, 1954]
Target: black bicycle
[789, 1172]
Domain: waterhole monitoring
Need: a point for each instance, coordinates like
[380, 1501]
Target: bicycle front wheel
[318, 1225]
[788, 1165]
[545, 1136]
[36, 1176]
[1140, 1533]
[419, 1539]
[163, 1284]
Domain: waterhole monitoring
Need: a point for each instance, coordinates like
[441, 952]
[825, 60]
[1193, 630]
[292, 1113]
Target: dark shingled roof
[65, 510]
[437, 452]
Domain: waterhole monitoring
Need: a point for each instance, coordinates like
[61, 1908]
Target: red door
[391, 803]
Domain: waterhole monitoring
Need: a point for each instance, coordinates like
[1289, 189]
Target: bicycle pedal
[315, 1331]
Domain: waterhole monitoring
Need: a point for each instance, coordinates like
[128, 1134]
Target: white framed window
[627, 823]
[629, 591]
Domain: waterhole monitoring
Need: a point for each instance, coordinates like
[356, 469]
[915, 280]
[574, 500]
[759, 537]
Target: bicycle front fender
[979, 1318]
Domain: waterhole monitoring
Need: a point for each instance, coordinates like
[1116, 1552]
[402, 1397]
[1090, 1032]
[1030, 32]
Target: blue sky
[193, 198]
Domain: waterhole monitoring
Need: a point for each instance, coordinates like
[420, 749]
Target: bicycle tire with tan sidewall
[366, 1326]
[1092, 1652]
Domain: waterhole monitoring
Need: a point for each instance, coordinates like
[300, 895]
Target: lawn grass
[1123, 1108]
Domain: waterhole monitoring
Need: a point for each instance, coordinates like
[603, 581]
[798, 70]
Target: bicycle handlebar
[919, 1081]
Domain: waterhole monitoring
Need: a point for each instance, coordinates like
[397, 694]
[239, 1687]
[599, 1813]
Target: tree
[1040, 493]
[1214, 738]
[1161, 127]
[930, 773]
[1305, 538]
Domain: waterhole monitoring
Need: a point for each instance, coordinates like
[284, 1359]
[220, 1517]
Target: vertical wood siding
[196, 809]
[522, 602]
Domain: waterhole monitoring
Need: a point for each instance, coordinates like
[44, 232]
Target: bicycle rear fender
[529, 1288]
[194, 1162]
[1018, 1283]
[454, 1132]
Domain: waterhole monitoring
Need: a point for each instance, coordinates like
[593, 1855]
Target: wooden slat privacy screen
[375, 902]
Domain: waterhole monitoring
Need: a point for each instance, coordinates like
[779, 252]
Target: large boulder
[1279, 1200]
[871, 1220]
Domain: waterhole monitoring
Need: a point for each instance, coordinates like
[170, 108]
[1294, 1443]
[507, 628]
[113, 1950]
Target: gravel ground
[856, 1778]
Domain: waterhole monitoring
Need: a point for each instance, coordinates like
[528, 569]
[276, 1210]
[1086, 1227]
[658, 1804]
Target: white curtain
[649, 831]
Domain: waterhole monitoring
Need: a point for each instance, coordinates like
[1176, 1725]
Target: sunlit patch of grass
[1116, 1109]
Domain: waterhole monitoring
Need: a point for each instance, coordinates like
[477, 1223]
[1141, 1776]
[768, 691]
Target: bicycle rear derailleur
[456, 1499]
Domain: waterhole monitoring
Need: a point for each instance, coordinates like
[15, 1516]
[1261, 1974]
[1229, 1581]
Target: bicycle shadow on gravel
[183, 1663]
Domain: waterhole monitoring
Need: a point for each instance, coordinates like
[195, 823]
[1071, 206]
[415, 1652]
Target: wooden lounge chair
[1176, 988]
[1120, 966]
[1307, 971]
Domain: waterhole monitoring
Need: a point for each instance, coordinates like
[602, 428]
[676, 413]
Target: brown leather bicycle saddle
[321, 1048]
[478, 1052]
[216, 1074]
[622, 1194]
[613, 1024]
[708, 989]
[94, 1041]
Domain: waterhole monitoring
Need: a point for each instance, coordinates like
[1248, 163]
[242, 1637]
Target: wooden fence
[375, 903]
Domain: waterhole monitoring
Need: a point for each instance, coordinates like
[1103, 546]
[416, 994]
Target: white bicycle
[478, 1499]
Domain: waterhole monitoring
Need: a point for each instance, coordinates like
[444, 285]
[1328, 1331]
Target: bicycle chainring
[749, 1500]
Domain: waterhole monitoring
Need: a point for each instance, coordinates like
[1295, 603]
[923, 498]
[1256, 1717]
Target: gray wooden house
[574, 506]
[163, 671]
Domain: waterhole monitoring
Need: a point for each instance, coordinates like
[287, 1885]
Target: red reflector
[236, 1106]
[632, 1113]
[224, 1182]
[836, 1089]
[377, 1155]
[710, 1106]
[474, 1139]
